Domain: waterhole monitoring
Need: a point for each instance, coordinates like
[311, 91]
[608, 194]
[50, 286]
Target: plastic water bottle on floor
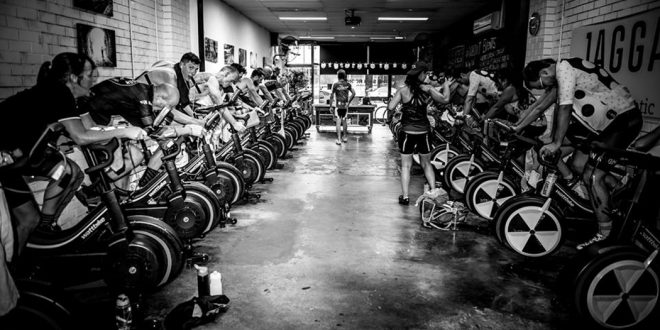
[123, 313]
[216, 283]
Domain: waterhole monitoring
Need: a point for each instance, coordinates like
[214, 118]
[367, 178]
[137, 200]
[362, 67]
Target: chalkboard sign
[487, 53]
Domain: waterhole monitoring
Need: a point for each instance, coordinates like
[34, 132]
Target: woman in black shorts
[415, 132]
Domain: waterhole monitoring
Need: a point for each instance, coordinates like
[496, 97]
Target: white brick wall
[575, 14]
[33, 31]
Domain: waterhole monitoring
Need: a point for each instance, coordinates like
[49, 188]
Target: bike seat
[629, 157]
[101, 155]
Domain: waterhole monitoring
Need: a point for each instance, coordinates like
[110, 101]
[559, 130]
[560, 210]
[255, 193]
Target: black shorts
[17, 191]
[621, 132]
[342, 109]
[414, 143]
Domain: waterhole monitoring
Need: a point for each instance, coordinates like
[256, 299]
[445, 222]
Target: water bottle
[203, 286]
[548, 184]
[123, 313]
[216, 283]
[426, 187]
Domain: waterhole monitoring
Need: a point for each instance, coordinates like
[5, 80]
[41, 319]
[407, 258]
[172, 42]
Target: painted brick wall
[33, 31]
[575, 13]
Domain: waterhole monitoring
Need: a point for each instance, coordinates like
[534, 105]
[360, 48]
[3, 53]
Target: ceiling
[441, 14]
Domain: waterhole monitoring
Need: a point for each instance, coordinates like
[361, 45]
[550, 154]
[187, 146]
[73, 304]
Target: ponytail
[42, 76]
[63, 65]
[413, 83]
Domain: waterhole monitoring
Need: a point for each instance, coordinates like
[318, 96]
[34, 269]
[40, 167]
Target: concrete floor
[328, 246]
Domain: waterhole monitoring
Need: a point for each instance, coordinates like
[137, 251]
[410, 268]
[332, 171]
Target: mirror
[161, 116]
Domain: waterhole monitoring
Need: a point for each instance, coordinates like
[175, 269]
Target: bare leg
[133, 157]
[600, 198]
[565, 171]
[59, 192]
[429, 171]
[406, 164]
[338, 121]
[345, 138]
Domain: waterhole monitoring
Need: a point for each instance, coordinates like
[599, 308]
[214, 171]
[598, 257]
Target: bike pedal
[197, 258]
[279, 166]
[266, 180]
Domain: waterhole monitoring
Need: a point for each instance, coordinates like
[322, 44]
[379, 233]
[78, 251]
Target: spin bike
[128, 253]
[535, 224]
[190, 208]
[616, 284]
[488, 190]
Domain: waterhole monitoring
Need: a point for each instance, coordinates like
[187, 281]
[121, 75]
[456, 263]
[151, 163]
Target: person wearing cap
[415, 130]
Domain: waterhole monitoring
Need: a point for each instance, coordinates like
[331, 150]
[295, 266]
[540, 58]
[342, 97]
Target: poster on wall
[98, 6]
[251, 61]
[242, 57]
[210, 50]
[263, 62]
[229, 54]
[628, 49]
[97, 43]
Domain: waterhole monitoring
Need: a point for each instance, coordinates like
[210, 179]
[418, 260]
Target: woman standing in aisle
[415, 129]
[340, 91]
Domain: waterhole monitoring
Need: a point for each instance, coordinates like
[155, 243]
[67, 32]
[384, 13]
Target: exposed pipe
[130, 36]
[561, 29]
[157, 37]
[200, 35]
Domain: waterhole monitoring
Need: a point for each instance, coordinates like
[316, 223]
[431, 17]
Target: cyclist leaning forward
[603, 110]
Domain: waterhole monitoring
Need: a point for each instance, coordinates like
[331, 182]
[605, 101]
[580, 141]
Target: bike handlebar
[517, 136]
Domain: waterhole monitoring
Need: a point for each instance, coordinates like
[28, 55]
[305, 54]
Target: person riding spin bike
[138, 104]
[52, 100]
[602, 108]
[217, 85]
[272, 85]
[185, 73]
[248, 86]
[482, 89]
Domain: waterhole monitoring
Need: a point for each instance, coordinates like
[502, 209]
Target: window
[300, 55]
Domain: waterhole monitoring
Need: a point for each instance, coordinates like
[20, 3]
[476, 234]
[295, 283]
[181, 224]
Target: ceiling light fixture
[381, 38]
[403, 18]
[286, 18]
[317, 37]
[399, 38]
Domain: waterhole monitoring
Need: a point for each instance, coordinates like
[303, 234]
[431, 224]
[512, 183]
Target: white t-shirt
[597, 99]
[481, 85]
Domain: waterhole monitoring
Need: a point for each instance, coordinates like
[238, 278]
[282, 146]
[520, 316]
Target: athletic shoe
[404, 201]
[338, 142]
[598, 238]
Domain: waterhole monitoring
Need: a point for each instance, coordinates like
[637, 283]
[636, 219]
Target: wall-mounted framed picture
[229, 54]
[97, 43]
[242, 57]
[210, 50]
[251, 60]
[98, 6]
[263, 62]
